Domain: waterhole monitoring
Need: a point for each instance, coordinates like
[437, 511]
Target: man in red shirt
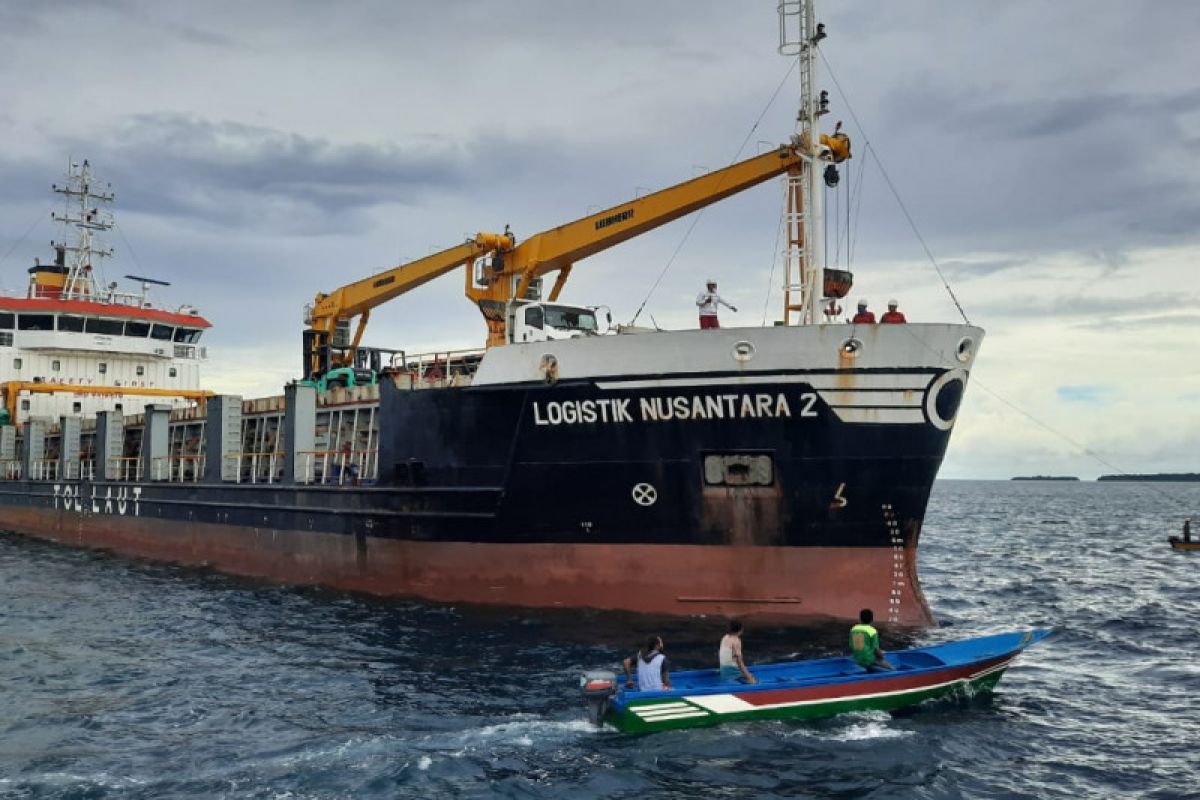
[863, 317]
[892, 314]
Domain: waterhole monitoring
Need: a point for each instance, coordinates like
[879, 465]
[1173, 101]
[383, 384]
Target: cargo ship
[780, 473]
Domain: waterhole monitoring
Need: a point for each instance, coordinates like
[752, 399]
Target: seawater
[133, 680]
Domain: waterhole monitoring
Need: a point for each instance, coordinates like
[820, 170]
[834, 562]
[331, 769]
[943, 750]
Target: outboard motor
[598, 687]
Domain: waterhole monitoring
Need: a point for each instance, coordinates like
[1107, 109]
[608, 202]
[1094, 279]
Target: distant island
[1159, 477]
[1045, 478]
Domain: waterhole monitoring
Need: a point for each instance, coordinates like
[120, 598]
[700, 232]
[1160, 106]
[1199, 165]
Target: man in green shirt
[864, 644]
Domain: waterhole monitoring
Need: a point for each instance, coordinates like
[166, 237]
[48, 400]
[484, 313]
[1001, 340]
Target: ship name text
[666, 409]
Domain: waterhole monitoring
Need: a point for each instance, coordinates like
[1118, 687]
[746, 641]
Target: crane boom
[358, 298]
[514, 267]
[559, 248]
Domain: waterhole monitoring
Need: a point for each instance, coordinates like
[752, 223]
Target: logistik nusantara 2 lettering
[665, 409]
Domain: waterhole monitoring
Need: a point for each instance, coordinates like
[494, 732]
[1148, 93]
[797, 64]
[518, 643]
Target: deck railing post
[155, 439]
[110, 437]
[223, 439]
[35, 446]
[299, 429]
[68, 452]
[8, 448]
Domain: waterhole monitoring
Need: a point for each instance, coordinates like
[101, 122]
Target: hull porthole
[943, 397]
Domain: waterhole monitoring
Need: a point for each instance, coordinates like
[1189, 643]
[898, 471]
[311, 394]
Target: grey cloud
[964, 270]
[1157, 322]
[1100, 310]
[241, 175]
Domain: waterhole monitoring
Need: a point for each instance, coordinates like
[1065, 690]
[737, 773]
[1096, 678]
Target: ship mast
[84, 213]
[804, 257]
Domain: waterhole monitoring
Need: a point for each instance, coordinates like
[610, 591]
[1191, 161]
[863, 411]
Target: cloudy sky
[1048, 152]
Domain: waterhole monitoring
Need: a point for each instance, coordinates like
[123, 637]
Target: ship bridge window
[6, 338]
[7, 321]
[138, 329]
[570, 319]
[162, 332]
[69, 323]
[35, 322]
[107, 327]
[533, 317]
[187, 335]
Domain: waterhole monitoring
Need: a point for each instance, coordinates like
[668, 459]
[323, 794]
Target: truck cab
[535, 321]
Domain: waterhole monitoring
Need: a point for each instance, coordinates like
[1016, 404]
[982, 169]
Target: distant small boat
[808, 689]
[1180, 544]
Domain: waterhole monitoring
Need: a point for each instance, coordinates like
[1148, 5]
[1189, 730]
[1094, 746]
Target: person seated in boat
[652, 667]
[729, 656]
[863, 317]
[892, 316]
[864, 644]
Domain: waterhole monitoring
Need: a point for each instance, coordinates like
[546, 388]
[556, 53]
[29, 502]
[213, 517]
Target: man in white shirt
[708, 301]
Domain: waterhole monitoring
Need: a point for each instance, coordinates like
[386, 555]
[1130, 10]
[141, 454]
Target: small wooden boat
[1180, 544]
[809, 689]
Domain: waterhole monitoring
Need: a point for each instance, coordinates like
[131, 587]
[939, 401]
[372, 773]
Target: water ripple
[132, 680]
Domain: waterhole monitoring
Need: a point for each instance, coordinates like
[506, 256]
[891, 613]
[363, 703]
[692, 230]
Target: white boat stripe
[721, 703]
[680, 715]
[676, 706]
[798, 703]
[650, 712]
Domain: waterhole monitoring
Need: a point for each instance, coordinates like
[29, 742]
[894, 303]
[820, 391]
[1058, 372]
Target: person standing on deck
[1187, 529]
[892, 316]
[729, 656]
[864, 644]
[652, 669]
[863, 317]
[708, 301]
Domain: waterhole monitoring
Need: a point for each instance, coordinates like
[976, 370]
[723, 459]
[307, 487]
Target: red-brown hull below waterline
[770, 584]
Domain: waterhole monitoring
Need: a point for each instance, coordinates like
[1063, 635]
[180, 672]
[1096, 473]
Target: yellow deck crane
[499, 271]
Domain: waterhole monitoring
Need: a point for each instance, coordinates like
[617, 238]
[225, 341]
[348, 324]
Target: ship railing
[442, 369]
[261, 467]
[339, 468]
[11, 469]
[128, 469]
[73, 470]
[43, 469]
[178, 469]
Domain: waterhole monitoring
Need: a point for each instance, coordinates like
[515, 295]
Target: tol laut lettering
[120, 500]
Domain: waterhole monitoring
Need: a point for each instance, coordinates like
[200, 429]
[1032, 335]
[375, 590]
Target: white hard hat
[862, 303]
[711, 280]
[892, 304]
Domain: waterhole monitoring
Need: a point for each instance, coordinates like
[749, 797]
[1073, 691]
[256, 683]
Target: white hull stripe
[859, 398]
[891, 416]
[834, 382]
